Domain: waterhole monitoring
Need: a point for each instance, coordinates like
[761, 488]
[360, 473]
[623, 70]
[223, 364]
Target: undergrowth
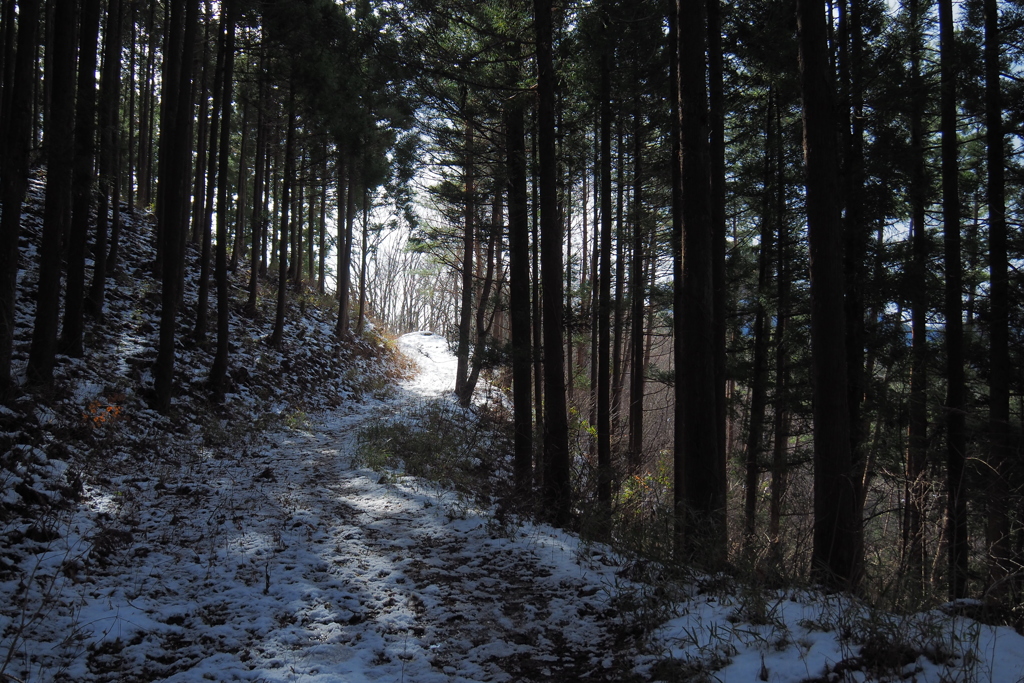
[440, 443]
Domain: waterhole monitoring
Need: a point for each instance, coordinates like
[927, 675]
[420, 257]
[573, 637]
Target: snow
[284, 561]
[279, 558]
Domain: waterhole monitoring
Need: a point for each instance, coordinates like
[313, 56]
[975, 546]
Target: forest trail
[286, 562]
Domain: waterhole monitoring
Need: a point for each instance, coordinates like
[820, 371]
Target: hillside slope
[337, 519]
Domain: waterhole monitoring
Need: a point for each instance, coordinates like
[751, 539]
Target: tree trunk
[282, 259]
[344, 189]
[781, 400]
[110, 146]
[857, 233]
[218, 373]
[311, 265]
[147, 116]
[238, 248]
[7, 52]
[1000, 447]
[699, 466]
[297, 227]
[759, 379]
[259, 185]
[176, 149]
[519, 297]
[483, 324]
[637, 300]
[917, 438]
[716, 120]
[215, 177]
[538, 317]
[322, 272]
[57, 208]
[345, 253]
[15, 141]
[466, 306]
[604, 278]
[620, 280]
[956, 396]
[203, 115]
[132, 123]
[363, 254]
[557, 491]
[837, 543]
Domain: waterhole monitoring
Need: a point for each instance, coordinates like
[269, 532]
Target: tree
[917, 436]
[603, 397]
[15, 128]
[82, 180]
[557, 488]
[519, 295]
[56, 212]
[759, 379]
[282, 258]
[837, 545]
[176, 149]
[110, 152]
[1000, 449]
[259, 186]
[216, 175]
[466, 309]
[218, 373]
[956, 391]
[700, 483]
[637, 299]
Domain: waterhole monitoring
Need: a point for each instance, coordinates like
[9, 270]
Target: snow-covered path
[278, 558]
[284, 562]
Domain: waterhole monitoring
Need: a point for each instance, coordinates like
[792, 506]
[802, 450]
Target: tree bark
[604, 407]
[759, 378]
[57, 207]
[15, 140]
[538, 317]
[345, 253]
[282, 259]
[466, 305]
[344, 190]
[176, 149]
[238, 247]
[637, 300]
[700, 468]
[203, 114]
[259, 185]
[218, 373]
[519, 297]
[83, 180]
[363, 256]
[110, 148]
[1000, 447]
[483, 323]
[956, 391]
[837, 543]
[557, 490]
[322, 272]
[213, 180]
[716, 120]
[917, 437]
[780, 447]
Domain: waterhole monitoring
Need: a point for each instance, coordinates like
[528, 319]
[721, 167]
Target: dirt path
[283, 561]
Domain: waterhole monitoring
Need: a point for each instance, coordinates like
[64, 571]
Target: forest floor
[284, 560]
[340, 518]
